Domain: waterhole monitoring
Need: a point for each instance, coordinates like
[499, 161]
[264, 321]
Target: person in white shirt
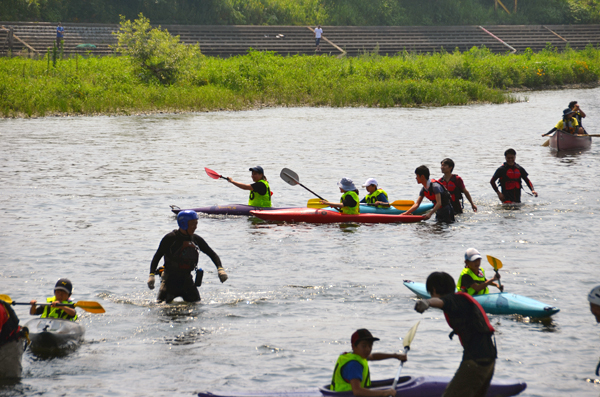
[318, 34]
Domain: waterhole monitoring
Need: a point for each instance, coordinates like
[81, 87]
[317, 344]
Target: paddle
[406, 343]
[292, 178]
[497, 265]
[213, 174]
[88, 306]
[402, 205]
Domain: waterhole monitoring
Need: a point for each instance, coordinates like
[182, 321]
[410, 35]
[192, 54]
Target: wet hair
[510, 151]
[441, 282]
[449, 163]
[423, 171]
[572, 104]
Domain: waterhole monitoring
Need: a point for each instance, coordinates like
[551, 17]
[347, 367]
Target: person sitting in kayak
[260, 191]
[568, 124]
[456, 187]
[351, 370]
[579, 114]
[436, 193]
[62, 295]
[376, 196]
[467, 319]
[180, 248]
[349, 202]
[594, 299]
[472, 279]
[509, 177]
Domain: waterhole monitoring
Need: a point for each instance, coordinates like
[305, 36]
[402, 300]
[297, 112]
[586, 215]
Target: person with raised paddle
[579, 114]
[377, 197]
[351, 372]
[260, 191]
[60, 303]
[349, 202]
[468, 320]
[436, 193]
[181, 249]
[456, 187]
[568, 124]
[472, 278]
[509, 176]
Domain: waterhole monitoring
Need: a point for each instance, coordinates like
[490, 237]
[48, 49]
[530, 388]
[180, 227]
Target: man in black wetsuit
[510, 175]
[180, 249]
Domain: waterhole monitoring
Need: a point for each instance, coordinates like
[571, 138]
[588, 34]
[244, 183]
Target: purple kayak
[408, 386]
[226, 209]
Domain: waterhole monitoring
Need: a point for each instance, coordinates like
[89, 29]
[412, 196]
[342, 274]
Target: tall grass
[109, 85]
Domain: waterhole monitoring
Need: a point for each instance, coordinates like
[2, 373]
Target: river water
[88, 198]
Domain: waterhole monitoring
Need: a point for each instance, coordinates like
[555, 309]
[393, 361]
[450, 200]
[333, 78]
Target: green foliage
[112, 85]
[154, 53]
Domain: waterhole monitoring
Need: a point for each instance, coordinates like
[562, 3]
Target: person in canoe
[436, 193]
[594, 299]
[351, 370]
[349, 203]
[579, 114]
[568, 124]
[180, 248]
[376, 196]
[468, 320]
[62, 295]
[456, 187]
[472, 279]
[509, 176]
[260, 191]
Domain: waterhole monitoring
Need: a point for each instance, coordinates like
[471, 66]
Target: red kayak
[313, 215]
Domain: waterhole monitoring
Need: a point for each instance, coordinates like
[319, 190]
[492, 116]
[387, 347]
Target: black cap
[568, 111]
[64, 284]
[362, 334]
[258, 169]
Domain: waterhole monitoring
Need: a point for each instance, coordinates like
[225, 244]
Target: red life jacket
[512, 178]
[451, 185]
[481, 324]
[9, 324]
[444, 195]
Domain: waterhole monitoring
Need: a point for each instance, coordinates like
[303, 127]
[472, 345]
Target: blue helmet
[184, 217]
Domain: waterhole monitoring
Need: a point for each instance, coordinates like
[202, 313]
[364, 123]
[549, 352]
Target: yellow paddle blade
[90, 306]
[315, 203]
[6, 298]
[402, 205]
[547, 143]
[411, 335]
[495, 262]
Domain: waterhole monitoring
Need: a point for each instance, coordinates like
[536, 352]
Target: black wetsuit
[181, 257]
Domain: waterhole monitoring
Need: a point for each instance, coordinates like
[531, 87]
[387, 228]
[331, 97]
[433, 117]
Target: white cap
[370, 181]
[594, 296]
[472, 254]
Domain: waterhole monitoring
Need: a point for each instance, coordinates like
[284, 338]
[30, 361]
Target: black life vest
[445, 195]
[481, 323]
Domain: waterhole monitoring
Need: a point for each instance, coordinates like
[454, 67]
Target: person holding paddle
[351, 370]
[456, 187]
[472, 279]
[180, 248]
[568, 124]
[467, 319]
[376, 196]
[579, 114]
[62, 295]
[509, 177]
[436, 193]
[349, 202]
[260, 192]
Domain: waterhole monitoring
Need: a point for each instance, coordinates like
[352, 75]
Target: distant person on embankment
[436, 193]
[594, 299]
[351, 371]
[579, 114]
[509, 176]
[456, 187]
[376, 196]
[60, 34]
[568, 124]
[318, 34]
[260, 191]
[349, 202]
[472, 279]
[181, 249]
[468, 320]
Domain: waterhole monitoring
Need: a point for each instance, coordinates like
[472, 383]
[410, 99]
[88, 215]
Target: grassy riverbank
[110, 86]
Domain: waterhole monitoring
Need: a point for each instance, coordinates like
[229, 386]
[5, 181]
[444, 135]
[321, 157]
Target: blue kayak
[371, 209]
[500, 303]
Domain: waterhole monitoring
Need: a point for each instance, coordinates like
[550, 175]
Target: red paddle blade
[211, 173]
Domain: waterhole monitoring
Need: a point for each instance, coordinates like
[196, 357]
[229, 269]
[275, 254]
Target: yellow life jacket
[372, 198]
[351, 210]
[475, 277]
[338, 383]
[56, 312]
[260, 200]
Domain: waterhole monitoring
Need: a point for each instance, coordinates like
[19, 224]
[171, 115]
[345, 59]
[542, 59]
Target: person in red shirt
[456, 187]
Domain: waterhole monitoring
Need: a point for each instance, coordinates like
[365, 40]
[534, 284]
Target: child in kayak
[352, 369]
[376, 195]
[472, 279]
[436, 193]
[467, 319]
[509, 176]
[349, 203]
[62, 294]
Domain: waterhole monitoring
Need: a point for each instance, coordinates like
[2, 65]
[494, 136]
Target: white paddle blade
[289, 176]
[410, 336]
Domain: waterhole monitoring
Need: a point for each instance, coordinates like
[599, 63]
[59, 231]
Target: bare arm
[468, 196]
[493, 183]
[438, 204]
[385, 356]
[414, 207]
[243, 186]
